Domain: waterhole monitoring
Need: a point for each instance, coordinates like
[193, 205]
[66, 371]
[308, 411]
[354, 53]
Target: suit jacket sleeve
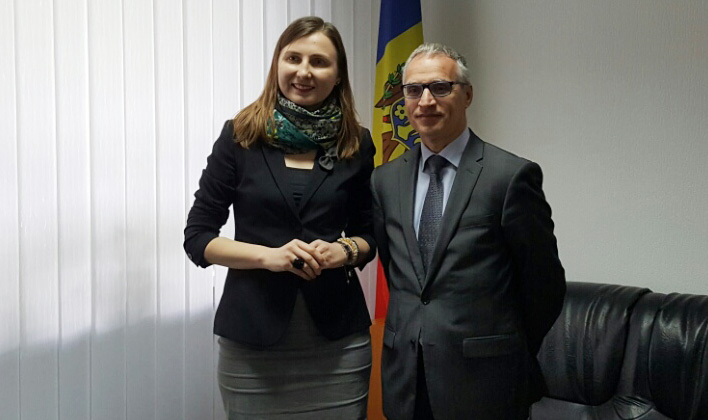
[528, 229]
[360, 213]
[379, 224]
[213, 198]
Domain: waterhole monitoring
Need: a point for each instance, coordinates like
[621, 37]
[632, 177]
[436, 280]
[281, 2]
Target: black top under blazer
[256, 304]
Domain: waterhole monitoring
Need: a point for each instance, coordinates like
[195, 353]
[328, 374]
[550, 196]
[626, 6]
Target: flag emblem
[397, 130]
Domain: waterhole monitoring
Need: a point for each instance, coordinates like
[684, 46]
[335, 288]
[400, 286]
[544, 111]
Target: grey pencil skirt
[304, 376]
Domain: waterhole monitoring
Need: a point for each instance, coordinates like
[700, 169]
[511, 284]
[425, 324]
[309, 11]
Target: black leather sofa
[622, 352]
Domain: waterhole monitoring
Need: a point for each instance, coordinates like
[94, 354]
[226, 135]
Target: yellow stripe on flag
[391, 131]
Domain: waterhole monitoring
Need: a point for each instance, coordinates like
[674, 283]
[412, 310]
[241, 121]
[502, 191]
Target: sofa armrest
[582, 354]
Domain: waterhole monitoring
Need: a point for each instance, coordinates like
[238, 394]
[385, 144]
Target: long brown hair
[250, 123]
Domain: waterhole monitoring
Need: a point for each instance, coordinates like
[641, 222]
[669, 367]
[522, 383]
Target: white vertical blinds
[108, 110]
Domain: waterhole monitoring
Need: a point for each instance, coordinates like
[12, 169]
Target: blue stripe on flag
[397, 16]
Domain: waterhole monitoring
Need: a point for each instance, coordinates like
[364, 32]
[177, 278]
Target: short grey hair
[431, 49]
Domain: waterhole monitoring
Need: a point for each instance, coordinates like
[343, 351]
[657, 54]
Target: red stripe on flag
[381, 293]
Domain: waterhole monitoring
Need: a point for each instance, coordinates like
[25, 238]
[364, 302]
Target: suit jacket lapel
[318, 176]
[408, 177]
[276, 164]
[460, 194]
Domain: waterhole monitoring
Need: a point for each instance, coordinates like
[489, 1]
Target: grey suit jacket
[494, 288]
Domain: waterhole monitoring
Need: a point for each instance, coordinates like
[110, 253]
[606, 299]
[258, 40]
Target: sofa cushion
[581, 356]
[678, 357]
[635, 368]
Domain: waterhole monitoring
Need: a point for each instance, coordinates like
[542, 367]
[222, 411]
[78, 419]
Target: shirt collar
[452, 152]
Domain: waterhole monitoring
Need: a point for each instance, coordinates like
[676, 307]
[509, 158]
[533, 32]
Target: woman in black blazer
[295, 166]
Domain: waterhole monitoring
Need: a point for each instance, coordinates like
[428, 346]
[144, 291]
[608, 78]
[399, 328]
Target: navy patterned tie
[430, 217]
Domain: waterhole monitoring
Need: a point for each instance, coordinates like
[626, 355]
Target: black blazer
[493, 289]
[256, 305]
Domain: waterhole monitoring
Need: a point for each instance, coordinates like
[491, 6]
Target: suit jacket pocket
[492, 345]
[476, 220]
[388, 337]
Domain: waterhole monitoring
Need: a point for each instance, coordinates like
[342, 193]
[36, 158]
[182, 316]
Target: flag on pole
[400, 32]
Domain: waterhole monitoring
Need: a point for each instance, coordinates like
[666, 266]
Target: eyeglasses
[438, 89]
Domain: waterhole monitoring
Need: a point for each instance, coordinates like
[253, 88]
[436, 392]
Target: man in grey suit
[466, 241]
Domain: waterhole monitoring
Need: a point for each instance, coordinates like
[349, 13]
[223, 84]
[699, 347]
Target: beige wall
[611, 98]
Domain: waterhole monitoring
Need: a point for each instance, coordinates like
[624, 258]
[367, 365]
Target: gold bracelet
[356, 251]
[347, 249]
[351, 248]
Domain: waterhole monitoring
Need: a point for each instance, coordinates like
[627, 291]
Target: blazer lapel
[460, 194]
[318, 176]
[276, 164]
[408, 177]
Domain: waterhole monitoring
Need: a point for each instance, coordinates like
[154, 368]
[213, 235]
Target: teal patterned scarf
[297, 130]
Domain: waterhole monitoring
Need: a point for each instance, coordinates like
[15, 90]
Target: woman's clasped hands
[306, 260]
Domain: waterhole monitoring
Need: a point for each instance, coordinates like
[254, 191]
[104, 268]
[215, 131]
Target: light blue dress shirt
[453, 153]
